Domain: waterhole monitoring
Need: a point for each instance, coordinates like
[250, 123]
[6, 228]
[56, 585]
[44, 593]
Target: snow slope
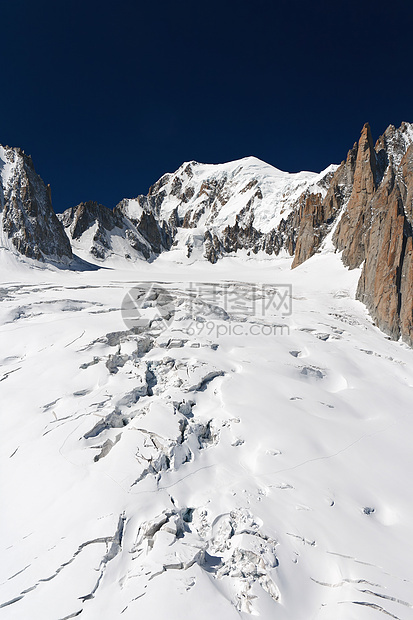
[222, 463]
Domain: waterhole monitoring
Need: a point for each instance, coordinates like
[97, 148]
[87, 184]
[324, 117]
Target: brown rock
[355, 222]
[311, 217]
[406, 294]
[315, 216]
[379, 283]
[386, 282]
[373, 193]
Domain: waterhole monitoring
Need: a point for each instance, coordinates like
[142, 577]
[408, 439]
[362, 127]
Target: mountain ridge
[212, 210]
[28, 222]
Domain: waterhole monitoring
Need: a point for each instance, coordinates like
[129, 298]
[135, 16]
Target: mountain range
[198, 417]
[362, 208]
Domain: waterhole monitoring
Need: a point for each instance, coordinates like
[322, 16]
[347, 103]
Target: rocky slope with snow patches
[362, 208]
[97, 233]
[368, 211]
[188, 465]
[217, 209]
[28, 224]
[199, 211]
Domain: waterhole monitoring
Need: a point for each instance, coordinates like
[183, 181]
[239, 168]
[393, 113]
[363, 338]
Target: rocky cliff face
[28, 223]
[144, 216]
[369, 204]
[316, 214]
[383, 233]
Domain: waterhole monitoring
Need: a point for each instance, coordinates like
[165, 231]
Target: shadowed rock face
[156, 234]
[354, 225]
[27, 216]
[316, 215]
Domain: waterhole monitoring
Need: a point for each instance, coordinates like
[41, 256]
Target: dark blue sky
[107, 96]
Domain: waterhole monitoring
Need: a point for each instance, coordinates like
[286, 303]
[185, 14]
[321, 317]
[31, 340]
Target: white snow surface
[201, 470]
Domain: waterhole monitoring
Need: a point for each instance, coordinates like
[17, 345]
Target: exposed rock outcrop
[103, 232]
[386, 282]
[315, 215]
[78, 220]
[28, 223]
[354, 226]
[85, 215]
[370, 199]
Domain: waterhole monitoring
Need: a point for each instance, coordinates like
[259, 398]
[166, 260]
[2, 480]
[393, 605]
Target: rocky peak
[394, 143]
[316, 212]
[28, 223]
[85, 215]
[356, 220]
[366, 163]
[386, 282]
[369, 202]
[99, 233]
[144, 215]
[95, 218]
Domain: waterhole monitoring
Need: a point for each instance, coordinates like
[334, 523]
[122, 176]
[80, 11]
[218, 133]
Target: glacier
[187, 469]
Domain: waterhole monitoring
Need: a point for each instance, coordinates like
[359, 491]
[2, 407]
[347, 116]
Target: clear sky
[107, 96]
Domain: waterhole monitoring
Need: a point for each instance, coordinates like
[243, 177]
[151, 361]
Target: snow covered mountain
[362, 208]
[197, 428]
[97, 233]
[201, 210]
[218, 209]
[28, 224]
